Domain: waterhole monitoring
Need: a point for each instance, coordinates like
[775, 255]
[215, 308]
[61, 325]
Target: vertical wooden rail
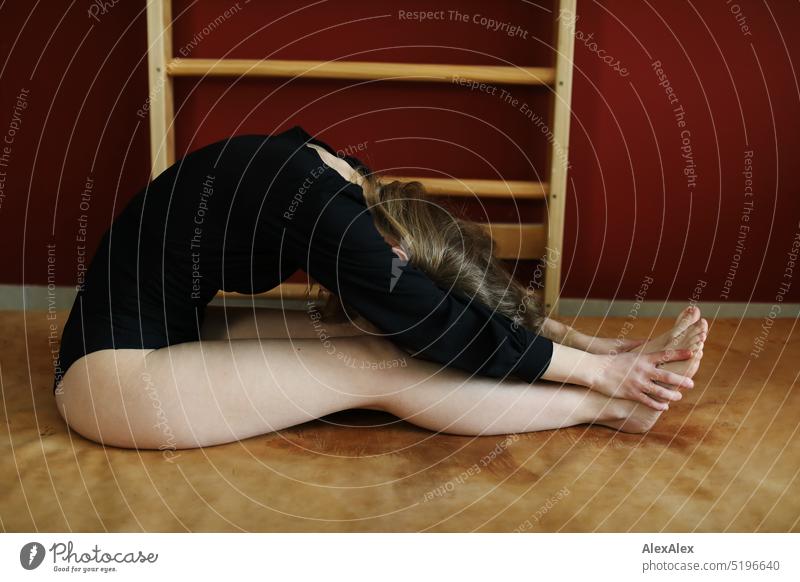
[162, 137]
[159, 53]
[559, 152]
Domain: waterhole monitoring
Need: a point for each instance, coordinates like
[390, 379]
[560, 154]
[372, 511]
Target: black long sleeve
[331, 235]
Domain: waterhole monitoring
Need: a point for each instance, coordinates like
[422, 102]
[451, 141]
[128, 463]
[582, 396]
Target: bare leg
[450, 402]
[212, 392]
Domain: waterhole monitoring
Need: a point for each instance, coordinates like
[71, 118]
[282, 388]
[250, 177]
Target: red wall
[631, 213]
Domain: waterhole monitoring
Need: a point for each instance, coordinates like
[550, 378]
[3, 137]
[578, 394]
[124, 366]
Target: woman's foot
[668, 339]
[635, 417]
[693, 338]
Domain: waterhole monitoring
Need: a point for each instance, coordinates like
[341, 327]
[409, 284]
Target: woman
[148, 365]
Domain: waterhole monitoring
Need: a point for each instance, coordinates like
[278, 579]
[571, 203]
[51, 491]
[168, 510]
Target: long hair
[455, 253]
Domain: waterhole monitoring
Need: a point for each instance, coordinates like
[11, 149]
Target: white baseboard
[35, 297]
[38, 297]
[710, 309]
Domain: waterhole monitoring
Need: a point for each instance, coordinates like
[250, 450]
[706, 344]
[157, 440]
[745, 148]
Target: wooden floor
[725, 459]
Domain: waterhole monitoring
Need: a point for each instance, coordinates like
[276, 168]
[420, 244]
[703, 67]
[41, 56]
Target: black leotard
[243, 214]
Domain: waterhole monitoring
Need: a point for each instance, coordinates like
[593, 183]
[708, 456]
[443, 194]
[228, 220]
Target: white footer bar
[400, 557]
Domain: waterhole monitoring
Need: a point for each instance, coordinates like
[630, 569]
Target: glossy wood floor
[726, 459]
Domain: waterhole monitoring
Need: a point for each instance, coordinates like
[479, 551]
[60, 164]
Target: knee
[88, 417]
[382, 369]
[102, 413]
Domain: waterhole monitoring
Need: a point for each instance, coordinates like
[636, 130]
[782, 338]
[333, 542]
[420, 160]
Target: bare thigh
[211, 392]
[228, 323]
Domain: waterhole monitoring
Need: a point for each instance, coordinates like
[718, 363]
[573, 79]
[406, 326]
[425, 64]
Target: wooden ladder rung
[517, 189]
[360, 70]
[286, 291]
[518, 241]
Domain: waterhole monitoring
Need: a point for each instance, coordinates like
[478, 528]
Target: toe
[686, 318]
[687, 337]
[700, 336]
[696, 328]
[683, 315]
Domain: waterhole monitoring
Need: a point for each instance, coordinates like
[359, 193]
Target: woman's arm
[570, 337]
[333, 237]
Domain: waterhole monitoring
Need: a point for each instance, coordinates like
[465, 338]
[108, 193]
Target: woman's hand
[633, 376]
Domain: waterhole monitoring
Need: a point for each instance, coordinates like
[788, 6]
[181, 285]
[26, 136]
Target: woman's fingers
[651, 402]
[673, 378]
[670, 356]
[663, 392]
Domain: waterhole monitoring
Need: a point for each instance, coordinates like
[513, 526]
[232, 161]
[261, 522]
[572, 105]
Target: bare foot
[667, 339]
[635, 417]
[693, 338]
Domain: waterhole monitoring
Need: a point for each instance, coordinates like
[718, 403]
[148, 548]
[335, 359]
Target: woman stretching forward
[145, 362]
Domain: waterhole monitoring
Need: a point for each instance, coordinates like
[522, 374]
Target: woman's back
[212, 221]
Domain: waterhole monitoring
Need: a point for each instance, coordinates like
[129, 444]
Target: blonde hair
[455, 253]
